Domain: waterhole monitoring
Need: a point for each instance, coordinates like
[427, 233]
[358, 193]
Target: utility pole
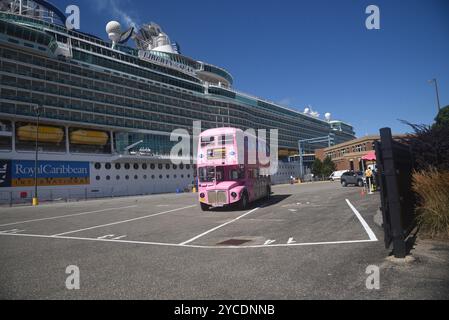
[36, 161]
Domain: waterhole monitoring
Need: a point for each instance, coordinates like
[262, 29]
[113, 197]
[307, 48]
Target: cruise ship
[100, 112]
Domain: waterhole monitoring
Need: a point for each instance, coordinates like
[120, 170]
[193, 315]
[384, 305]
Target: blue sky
[309, 52]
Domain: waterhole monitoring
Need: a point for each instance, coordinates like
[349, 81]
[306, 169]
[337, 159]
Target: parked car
[352, 178]
[336, 175]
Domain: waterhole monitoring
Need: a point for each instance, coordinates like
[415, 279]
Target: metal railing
[25, 196]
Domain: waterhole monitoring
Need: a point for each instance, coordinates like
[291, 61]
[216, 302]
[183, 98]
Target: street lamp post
[434, 81]
[36, 198]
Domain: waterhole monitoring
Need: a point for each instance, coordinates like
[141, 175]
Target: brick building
[348, 155]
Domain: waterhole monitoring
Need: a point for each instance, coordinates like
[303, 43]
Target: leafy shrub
[430, 146]
[432, 189]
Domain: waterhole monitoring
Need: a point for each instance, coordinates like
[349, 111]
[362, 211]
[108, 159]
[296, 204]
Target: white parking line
[66, 216]
[14, 231]
[365, 225]
[123, 221]
[216, 228]
[189, 246]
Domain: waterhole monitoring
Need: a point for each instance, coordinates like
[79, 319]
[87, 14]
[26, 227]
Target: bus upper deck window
[207, 141]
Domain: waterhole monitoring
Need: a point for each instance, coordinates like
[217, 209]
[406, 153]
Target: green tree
[443, 117]
[317, 168]
[328, 167]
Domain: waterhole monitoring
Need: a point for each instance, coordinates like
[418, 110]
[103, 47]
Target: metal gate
[395, 170]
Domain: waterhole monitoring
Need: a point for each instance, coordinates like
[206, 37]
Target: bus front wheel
[204, 207]
[244, 201]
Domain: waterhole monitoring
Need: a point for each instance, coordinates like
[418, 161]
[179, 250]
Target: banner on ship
[21, 173]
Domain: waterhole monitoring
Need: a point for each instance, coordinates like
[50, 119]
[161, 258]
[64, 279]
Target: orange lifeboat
[46, 134]
[89, 137]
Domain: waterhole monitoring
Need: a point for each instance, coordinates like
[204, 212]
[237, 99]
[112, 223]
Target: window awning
[371, 156]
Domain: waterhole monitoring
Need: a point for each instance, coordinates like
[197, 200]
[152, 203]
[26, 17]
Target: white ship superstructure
[106, 109]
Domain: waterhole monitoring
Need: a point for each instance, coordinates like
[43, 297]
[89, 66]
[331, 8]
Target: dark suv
[354, 178]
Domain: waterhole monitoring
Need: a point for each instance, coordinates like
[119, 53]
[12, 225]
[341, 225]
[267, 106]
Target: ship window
[167, 166]
[118, 177]
[145, 177]
[175, 167]
[98, 178]
[98, 166]
[168, 176]
[144, 166]
[175, 176]
[181, 167]
[160, 166]
[153, 177]
[127, 166]
[136, 177]
[136, 166]
[188, 167]
[127, 177]
[118, 166]
[160, 176]
[108, 166]
[182, 176]
[6, 135]
[153, 166]
[108, 178]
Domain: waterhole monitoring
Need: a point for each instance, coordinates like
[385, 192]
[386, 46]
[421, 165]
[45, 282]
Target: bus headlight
[202, 196]
[234, 195]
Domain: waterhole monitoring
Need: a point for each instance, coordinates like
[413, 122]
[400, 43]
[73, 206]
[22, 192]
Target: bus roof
[219, 131]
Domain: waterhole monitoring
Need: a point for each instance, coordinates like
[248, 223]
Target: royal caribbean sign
[21, 173]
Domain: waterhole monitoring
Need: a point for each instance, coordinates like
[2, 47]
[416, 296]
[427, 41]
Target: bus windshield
[211, 174]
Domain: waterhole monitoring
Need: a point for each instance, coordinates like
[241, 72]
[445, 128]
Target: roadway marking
[111, 237]
[14, 231]
[188, 246]
[291, 241]
[269, 242]
[216, 228]
[365, 225]
[66, 216]
[123, 221]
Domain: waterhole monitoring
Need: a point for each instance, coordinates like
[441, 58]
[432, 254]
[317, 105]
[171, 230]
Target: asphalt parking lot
[311, 241]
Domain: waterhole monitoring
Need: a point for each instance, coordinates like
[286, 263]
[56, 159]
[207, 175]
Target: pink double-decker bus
[229, 173]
